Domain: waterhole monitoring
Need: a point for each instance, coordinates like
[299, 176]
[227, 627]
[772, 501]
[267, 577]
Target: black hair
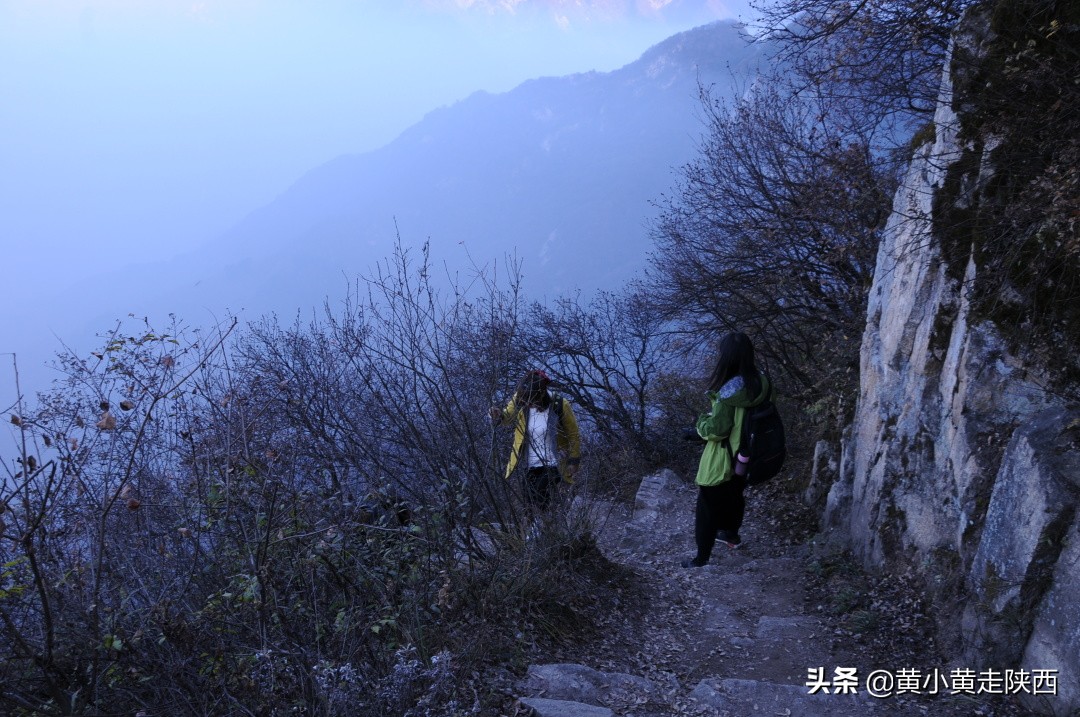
[532, 389]
[735, 357]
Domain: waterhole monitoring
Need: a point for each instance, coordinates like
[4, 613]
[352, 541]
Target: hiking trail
[740, 635]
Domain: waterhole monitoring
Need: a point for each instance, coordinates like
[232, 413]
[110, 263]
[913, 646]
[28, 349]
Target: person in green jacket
[546, 437]
[735, 384]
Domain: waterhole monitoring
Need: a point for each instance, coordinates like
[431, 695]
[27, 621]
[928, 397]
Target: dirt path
[741, 635]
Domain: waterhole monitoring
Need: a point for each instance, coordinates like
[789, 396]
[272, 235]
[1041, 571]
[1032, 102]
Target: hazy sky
[131, 127]
[131, 130]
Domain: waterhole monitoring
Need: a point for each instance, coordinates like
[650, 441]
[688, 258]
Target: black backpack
[763, 441]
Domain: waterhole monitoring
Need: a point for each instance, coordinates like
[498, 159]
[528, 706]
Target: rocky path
[737, 637]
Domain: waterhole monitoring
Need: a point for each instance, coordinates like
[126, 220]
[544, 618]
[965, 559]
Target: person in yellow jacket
[546, 437]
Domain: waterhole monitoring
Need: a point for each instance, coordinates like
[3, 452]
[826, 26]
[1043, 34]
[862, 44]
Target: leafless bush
[773, 230]
[883, 57]
[87, 560]
[302, 519]
[608, 356]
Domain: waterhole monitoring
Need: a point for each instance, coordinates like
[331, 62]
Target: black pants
[540, 484]
[719, 507]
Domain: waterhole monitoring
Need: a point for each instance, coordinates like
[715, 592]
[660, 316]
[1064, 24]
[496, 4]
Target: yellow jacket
[567, 437]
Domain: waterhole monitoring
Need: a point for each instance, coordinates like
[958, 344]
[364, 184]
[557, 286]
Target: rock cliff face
[959, 465]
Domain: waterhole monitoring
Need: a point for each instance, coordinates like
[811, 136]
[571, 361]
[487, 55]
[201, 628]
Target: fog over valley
[556, 175]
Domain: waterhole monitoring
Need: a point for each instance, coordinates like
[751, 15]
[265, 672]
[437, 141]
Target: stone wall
[959, 465]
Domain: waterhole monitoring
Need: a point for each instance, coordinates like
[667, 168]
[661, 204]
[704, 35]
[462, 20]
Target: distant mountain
[561, 171]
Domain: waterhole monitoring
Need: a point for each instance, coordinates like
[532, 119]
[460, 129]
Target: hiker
[546, 433]
[735, 383]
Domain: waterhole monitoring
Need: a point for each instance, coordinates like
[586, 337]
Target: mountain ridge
[489, 182]
[559, 171]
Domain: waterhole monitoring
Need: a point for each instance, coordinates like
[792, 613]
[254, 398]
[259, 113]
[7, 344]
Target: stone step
[543, 707]
[730, 697]
[579, 683]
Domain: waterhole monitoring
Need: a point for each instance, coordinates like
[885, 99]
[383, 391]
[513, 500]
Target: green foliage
[924, 135]
[861, 621]
[1017, 212]
[847, 589]
[11, 578]
[839, 564]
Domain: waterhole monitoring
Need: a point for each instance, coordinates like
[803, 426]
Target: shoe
[729, 538]
[692, 564]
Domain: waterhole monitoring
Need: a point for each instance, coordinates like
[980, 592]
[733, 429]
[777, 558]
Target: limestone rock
[657, 497]
[954, 465]
[563, 708]
[823, 473]
[579, 683]
[1055, 637]
[748, 697]
[656, 494]
[1022, 538]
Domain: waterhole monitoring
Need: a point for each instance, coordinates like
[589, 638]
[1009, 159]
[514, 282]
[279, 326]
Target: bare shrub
[773, 230]
[94, 549]
[607, 356]
[310, 519]
[883, 57]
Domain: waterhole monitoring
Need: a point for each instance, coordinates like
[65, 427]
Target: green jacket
[567, 437]
[723, 425]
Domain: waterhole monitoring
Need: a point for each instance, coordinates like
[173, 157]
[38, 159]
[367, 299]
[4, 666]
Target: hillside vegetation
[312, 518]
